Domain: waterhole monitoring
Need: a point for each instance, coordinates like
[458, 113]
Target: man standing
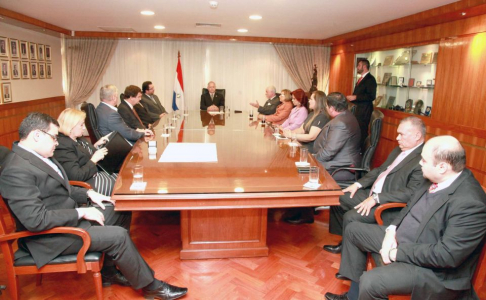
[363, 96]
[36, 189]
[151, 102]
[212, 100]
[109, 119]
[126, 109]
[394, 181]
[270, 107]
[432, 248]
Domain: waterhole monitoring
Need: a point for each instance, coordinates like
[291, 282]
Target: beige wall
[31, 89]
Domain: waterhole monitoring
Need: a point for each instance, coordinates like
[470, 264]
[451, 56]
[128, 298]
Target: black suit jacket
[338, 143]
[365, 93]
[402, 181]
[110, 120]
[270, 106]
[154, 107]
[128, 116]
[40, 199]
[449, 234]
[206, 101]
[146, 116]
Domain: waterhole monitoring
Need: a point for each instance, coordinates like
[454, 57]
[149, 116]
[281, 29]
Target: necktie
[378, 184]
[136, 115]
[359, 80]
[212, 96]
[433, 187]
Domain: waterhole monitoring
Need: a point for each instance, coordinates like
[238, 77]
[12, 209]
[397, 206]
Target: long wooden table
[223, 204]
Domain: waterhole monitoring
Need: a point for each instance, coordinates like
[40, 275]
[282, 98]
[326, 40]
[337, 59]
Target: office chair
[91, 122]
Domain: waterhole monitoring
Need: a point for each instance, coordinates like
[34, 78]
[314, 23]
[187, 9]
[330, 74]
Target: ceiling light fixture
[159, 27]
[255, 17]
[213, 4]
[232, 40]
[147, 13]
[242, 30]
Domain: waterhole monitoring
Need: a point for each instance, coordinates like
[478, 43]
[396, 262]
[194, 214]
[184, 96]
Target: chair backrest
[218, 91]
[371, 142]
[91, 122]
[353, 109]
[122, 96]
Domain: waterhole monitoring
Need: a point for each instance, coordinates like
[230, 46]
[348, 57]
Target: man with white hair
[270, 106]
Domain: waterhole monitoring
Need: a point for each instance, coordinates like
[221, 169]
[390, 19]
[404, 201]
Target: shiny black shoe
[341, 277]
[118, 278]
[331, 296]
[336, 249]
[165, 292]
[297, 220]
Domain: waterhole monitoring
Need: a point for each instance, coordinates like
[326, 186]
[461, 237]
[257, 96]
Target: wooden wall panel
[341, 73]
[13, 113]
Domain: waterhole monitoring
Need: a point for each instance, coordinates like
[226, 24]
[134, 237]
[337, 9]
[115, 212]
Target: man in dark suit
[212, 100]
[337, 145]
[394, 181]
[36, 189]
[151, 103]
[432, 248]
[109, 119]
[270, 106]
[126, 108]
[363, 96]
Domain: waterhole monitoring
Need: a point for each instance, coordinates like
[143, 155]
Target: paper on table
[190, 152]
[312, 186]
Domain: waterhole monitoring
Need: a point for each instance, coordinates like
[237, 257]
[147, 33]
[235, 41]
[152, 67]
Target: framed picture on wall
[14, 48]
[42, 70]
[15, 69]
[33, 70]
[25, 70]
[24, 52]
[5, 69]
[6, 92]
[3, 47]
[48, 53]
[33, 51]
[48, 70]
[41, 50]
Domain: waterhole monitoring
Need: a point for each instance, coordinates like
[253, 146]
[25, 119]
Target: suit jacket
[109, 120]
[129, 116]
[281, 114]
[365, 93]
[270, 107]
[402, 181]
[338, 143]
[206, 101]
[154, 108]
[146, 116]
[40, 199]
[449, 234]
[75, 159]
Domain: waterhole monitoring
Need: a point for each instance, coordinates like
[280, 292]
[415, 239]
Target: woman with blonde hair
[79, 157]
[283, 109]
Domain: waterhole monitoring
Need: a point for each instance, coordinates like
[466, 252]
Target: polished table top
[251, 160]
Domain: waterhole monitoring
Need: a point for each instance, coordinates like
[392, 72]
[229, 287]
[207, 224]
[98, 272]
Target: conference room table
[223, 203]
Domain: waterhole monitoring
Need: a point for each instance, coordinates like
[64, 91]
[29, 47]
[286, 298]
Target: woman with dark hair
[299, 112]
[79, 157]
[283, 109]
[316, 120]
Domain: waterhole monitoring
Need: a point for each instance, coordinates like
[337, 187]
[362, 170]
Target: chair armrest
[64, 230]
[349, 169]
[379, 210]
[81, 184]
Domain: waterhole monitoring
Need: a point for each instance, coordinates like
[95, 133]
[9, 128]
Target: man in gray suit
[37, 190]
[394, 181]
[152, 103]
[270, 106]
[338, 144]
[109, 119]
[432, 248]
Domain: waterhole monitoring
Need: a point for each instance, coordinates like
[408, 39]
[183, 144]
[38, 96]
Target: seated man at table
[37, 191]
[432, 248]
[270, 106]
[394, 181]
[151, 101]
[126, 108]
[212, 100]
[338, 144]
[109, 119]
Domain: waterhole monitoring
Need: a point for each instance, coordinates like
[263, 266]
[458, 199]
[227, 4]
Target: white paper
[190, 152]
[302, 164]
[138, 186]
[312, 185]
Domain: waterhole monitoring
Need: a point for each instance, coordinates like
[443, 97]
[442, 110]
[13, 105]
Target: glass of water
[314, 174]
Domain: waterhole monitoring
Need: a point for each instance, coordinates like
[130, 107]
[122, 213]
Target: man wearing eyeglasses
[151, 102]
[36, 189]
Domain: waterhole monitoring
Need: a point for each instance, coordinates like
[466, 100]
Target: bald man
[270, 106]
[432, 248]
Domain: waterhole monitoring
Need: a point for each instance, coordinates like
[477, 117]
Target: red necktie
[359, 80]
[433, 187]
[136, 115]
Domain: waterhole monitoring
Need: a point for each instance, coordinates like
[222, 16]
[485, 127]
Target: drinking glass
[137, 173]
[314, 174]
[221, 108]
[303, 154]
[294, 138]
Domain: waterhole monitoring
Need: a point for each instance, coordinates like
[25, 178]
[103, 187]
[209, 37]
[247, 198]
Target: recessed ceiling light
[242, 30]
[159, 27]
[232, 40]
[213, 4]
[129, 39]
[255, 17]
[147, 13]
[463, 14]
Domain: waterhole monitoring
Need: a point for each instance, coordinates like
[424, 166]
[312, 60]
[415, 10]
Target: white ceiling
[308, 19]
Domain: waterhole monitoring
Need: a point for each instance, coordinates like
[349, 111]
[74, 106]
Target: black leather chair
[91, 122]
[218, 91]
[370, 145]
